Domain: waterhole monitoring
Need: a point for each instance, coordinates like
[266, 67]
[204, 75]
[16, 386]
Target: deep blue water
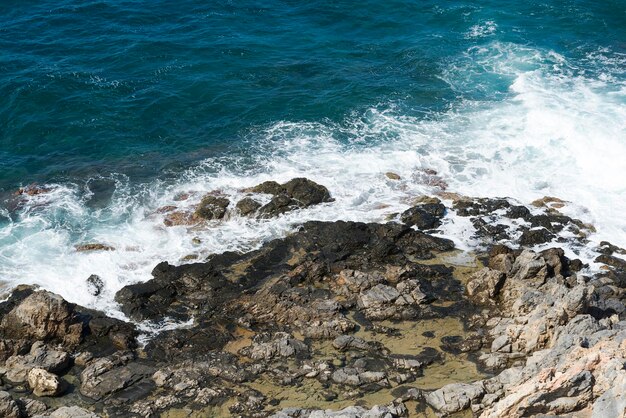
[148, 88]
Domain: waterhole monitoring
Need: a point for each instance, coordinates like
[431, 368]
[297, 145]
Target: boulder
[306, 192]
[44, 383]
[378, 295]
[485, 284]
[247, 206]
[277, 206]
[211, 207]
[537, 236]
[178, 218]
[296, 193]
[267, 187]
[44, 316]
[40, 357]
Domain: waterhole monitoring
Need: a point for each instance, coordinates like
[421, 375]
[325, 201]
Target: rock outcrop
[336, 314]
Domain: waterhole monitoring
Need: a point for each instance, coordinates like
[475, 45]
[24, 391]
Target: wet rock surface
[342, 319]
[265, 200]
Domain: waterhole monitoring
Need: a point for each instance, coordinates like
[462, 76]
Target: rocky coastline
[339, 319]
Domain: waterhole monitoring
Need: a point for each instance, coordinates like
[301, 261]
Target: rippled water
[119, 105]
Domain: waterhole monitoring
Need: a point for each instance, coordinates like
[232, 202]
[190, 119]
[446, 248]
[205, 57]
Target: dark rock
[247, 206]
[424, 216]
[516, 212]
[277, 206]
[306, 192]
[268, 187]
[211, 207]
[296, 193]
[538, 236]
[95, 284]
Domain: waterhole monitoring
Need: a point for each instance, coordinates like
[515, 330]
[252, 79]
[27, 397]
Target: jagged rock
[247, 206]
[110, 374]
[95, 284]
[501, 343]
[348, 342]
[43, 316]
[211, 207]
[378, 295]
[529, 265]
[8, 407]
[392, 176]
[12, 347]
[41, 357]
[32, 407]
[357, 281]
[44, 383]
[611, 403]
[282, 345]
[455, 397]
[485, 284]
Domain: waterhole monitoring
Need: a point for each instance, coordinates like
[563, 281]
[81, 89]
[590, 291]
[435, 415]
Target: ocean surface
[117, 106]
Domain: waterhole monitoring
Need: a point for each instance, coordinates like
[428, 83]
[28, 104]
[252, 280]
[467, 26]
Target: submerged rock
[93, 246]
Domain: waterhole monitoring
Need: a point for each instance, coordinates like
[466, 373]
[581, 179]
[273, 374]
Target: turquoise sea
[116, 106]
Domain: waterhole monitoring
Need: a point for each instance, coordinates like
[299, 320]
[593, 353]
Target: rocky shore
[339, 319]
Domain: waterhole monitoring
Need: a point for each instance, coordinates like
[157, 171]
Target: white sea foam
[550, 131]
[482, 30]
